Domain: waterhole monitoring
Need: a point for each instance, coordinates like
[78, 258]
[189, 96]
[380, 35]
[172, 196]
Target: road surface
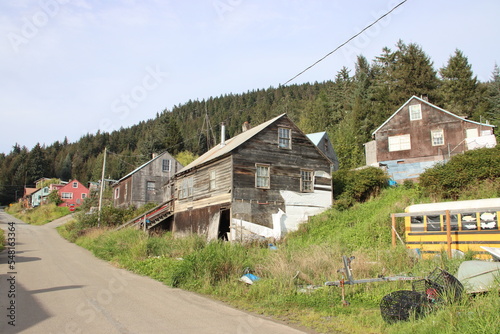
[57, 287]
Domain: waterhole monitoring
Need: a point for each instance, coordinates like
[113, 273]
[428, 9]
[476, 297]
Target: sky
[72, 67]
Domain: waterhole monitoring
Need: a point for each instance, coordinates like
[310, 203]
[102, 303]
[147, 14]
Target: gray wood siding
[203, 196]
[256, 205]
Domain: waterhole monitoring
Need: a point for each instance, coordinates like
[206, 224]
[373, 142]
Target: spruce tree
[458, 89]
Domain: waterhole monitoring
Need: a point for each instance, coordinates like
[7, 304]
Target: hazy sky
[70, 67]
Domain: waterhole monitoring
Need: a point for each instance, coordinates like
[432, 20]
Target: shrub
[351, 186]
[448, 180]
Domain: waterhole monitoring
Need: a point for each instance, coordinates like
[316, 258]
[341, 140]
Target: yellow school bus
[454, 227]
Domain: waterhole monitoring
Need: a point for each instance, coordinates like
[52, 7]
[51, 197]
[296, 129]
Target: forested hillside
[350, 106]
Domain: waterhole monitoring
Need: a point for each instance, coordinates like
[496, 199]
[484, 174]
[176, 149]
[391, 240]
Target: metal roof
[230, 144]
[316, 137]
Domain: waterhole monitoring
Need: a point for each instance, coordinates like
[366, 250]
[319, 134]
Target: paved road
[57, 287]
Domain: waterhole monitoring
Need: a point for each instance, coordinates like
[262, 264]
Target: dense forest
[349, 107]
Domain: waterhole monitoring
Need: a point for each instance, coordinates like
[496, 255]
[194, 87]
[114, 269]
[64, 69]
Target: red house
[73, 193]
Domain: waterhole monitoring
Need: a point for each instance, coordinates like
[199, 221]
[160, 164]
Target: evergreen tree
[493, 98]
[458, 89]
[37, 164]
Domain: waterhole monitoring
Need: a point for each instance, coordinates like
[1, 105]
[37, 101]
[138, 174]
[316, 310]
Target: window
[262, 176]
[213, 184]
[415, 112]
[150, 185]
[75, 184]
[84, 196]
[284, 138]
[166, 165]
[306, 181]
[67, 195]
[186, 189]
[437, 137]
[471, 133]
[117, 193]
[399, 143]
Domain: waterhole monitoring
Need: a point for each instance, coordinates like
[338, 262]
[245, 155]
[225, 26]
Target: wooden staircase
[151, 218]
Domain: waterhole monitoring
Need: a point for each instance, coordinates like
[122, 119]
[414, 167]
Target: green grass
[305, 258]
[2, 240]
[40, 215]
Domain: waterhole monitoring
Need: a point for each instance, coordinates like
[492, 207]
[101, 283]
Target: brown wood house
[420, 134]
[149, 183]
[261, 183]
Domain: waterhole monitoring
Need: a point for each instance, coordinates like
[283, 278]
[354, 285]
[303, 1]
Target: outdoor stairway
[152, 217]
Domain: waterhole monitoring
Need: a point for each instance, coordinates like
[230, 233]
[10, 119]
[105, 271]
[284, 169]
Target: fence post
[393, 216]
[448, 232]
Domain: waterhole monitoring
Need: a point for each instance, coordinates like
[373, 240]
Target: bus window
[417, 224]
[469, 221]
[489, 221]
[433, 223]
[453, 223]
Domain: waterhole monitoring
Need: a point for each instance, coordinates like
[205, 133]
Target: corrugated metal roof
[432, 105]
[231, 144]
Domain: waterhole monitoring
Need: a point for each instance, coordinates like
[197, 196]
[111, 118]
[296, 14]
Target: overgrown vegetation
[40, 215]
[2, 240]
[292, 277]
[464, 172]
[353, 186]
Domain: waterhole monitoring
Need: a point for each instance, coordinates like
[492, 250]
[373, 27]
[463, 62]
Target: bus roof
[456, 205]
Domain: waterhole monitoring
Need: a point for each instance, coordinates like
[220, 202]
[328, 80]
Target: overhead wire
[350, 39]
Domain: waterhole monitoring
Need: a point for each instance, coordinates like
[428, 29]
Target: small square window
[284, 138]
[262, 176]
[437, 137]
[75, 184]
[415, 112]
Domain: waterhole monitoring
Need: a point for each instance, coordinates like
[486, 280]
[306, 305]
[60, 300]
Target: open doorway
[224, 224]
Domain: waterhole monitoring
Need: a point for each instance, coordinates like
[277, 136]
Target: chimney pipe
[223, 135]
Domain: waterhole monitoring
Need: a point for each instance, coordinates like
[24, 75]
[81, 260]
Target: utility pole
[101, 190]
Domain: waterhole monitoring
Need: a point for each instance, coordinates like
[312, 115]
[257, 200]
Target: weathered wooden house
[420, 134]
[263, 182]
[148, 183]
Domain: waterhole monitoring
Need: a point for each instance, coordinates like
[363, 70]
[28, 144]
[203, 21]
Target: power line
[350, 39]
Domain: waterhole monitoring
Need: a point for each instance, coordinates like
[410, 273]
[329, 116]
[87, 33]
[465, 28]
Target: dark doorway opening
[224, 223]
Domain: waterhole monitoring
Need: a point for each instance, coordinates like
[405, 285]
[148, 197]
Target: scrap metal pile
[438, 288]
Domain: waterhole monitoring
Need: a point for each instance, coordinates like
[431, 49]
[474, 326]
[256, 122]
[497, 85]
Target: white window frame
[306, 180]
[399, 143]
[415, 111]
[75, 184]
[213, 181]
[166, 165]
[285, 138]
[437, 137]
[262, 176]
[65, 195]
[126, 190]
[84, 195]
